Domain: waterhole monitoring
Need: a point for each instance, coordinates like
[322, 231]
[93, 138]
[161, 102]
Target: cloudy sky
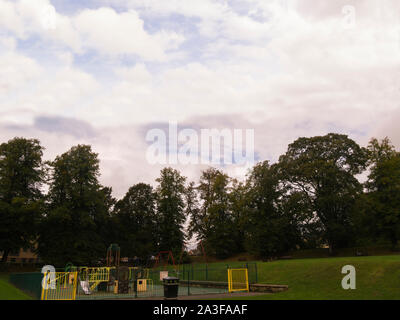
[105, 72]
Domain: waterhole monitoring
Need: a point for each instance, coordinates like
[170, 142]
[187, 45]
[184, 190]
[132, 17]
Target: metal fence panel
[59, 286]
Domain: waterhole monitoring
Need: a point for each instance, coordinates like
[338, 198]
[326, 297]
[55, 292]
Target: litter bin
[171, 286]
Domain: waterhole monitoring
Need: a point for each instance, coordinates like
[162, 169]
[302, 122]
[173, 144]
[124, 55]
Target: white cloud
[7, 43]
[102, 29]
[16, 70]
[122, 33]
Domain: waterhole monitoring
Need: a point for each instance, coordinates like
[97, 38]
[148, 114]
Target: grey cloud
[70, 126]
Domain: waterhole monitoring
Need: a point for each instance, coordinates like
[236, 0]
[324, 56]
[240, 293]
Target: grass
[9, 292]
[377, 278]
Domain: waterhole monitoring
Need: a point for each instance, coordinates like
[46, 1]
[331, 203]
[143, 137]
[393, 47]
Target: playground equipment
[97, 281]
[160, 261]
[123, 280]
[130, 281]
[113, 255]
[59, 286]
[238, 280]
[101, 282]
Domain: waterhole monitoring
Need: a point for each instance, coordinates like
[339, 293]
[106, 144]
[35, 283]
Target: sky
[105, 73]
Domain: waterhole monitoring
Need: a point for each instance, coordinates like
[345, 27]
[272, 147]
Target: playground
[378, 277]
[137, 280]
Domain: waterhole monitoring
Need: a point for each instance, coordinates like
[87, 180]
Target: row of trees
[77, 218]
[311, 197]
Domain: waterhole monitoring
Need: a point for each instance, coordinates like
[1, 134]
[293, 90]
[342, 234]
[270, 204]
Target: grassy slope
[9, 292]
[377, 278]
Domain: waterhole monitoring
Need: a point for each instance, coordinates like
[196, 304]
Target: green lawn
[377, 278]
[9, 292]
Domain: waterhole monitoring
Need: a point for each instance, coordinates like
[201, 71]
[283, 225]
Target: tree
[22, 173]
[213, 223]
[74, 229]
[380, 151]
[171, 210]
[324, 170]
[238, 200]
[382, 209]
[136, 221]
[270, 229]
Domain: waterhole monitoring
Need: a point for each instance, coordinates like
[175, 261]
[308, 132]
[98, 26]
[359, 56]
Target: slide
[85, 287]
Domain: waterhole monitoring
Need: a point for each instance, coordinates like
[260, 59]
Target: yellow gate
[238, 280]
[59, 286]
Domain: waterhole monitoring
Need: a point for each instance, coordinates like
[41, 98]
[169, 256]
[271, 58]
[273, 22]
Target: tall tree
[78, 210]
[21, 176]
[270, 229]
[383, 198]
[136, 221]
[324, 170]
[21, 169]
[238, 201]
[171, 210]
[214, 223]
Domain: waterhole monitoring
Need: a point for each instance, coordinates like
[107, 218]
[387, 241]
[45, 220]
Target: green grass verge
[9, 292]
[377, 278]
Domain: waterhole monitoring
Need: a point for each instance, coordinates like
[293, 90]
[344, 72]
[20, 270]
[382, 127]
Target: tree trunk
[393, 240]
[331, 249]
[5, 256]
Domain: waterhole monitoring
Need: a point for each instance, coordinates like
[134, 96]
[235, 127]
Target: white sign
[163, 274]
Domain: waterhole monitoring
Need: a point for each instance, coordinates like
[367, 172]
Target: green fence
[31, 283]
[215, 272]
[192, 278]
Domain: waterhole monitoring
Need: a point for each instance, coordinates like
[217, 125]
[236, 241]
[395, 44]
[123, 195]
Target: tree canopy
[311, 198]
[22, 174]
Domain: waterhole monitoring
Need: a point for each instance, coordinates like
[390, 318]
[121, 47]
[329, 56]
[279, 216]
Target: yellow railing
[59, 286]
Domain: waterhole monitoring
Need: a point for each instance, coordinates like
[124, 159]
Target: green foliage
[171, 210]
[270, 230]
[323, 169]
[18, 223]
[75, 226]
[381, 209]
[380, 151]
[213, 220]
[310, 198]
[21, 176]
[21, 169]
[136, 221]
